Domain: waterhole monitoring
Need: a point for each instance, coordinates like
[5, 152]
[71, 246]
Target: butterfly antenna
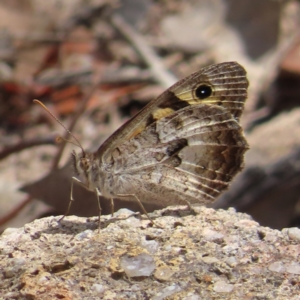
[59, 122]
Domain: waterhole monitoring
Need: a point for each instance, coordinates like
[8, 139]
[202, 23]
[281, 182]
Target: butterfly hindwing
[198, 148]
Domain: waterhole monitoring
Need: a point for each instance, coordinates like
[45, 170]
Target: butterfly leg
[112, 206]
[98, 194]
[141, 206]
[71, 197]
[190, 208]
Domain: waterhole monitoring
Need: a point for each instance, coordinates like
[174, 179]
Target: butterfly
[183, 148]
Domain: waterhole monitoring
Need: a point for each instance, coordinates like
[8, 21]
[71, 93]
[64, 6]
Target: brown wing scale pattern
[196, 153]
[227, 82]
[183, 147]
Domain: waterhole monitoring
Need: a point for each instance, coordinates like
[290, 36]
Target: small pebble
[223, 287]
[136, 266]
[99, 288]
[294, 233]
[293, 268]
[166, 292]
[277, 266]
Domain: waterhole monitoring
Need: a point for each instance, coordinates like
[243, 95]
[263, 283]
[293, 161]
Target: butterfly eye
[203, 91]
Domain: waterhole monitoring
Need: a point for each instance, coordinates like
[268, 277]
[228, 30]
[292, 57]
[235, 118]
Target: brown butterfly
[184, 147]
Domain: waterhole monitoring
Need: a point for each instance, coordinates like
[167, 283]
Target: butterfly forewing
[228, 85]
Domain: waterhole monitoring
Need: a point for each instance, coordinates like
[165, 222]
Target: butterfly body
[184, 147]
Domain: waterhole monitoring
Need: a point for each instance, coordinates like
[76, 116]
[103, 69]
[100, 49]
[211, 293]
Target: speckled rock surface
[211, 255]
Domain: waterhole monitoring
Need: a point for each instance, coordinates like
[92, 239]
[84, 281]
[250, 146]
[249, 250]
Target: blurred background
[96, 63]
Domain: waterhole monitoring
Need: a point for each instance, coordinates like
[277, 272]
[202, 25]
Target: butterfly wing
[225, 83]
[190, 155]
[186, 145]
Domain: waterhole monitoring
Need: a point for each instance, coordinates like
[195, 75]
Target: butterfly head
[83, 167]
[84, 163]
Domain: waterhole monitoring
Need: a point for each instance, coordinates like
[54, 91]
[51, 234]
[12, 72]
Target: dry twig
[159, 72]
